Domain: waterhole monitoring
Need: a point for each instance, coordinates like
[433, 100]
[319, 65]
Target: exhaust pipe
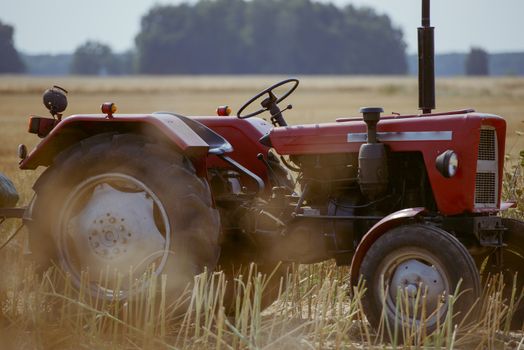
[426, 61]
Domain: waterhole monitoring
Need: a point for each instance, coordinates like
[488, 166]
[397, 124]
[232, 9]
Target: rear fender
[392, 220]
[163, 127]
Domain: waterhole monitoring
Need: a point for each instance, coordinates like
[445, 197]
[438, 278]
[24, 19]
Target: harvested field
[316, 312]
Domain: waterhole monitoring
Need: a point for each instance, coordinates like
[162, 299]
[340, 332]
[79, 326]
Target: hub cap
[115, 227]
[420, 279]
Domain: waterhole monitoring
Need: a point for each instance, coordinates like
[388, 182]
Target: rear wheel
[409, 263]
[120, 208]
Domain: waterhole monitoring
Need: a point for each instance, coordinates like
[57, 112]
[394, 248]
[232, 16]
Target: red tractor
[408, 201]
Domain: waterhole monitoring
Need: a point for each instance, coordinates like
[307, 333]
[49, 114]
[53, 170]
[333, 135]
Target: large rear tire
[409, 259]
[119, 204]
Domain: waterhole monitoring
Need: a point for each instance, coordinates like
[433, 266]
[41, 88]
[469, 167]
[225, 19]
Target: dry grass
[315, 312]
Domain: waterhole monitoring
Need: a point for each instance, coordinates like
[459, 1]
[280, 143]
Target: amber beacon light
[108, 108]
[223, 111]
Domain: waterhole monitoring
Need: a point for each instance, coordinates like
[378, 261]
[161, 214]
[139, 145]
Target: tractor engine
[333, 188]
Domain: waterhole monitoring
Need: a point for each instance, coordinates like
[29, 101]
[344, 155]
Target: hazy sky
[59, 26]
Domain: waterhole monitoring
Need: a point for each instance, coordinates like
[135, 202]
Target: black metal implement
[245, 171]
[12, 213]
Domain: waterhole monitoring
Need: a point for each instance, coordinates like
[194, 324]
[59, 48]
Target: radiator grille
[485, 188]
[486, 181]
[487, 145]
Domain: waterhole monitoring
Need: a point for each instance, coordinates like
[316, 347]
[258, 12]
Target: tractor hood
[400, 133]
[477, 138]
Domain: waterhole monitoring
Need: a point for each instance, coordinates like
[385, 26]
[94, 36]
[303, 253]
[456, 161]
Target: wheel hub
[109, 236]
[116, 229]
[418, 279]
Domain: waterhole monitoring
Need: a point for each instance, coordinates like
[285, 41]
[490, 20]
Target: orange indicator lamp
[223, 111]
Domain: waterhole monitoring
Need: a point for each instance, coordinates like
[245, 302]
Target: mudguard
[381, 227]
[191, 137]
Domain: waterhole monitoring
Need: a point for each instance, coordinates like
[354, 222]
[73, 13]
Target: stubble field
[311, 315]
[318, 99]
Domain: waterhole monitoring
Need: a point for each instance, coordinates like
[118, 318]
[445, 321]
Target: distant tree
[47, 64]
[477, 62]
[206, 37]
[93, 58]
[10, 61]
[268, 36]
[123, 63]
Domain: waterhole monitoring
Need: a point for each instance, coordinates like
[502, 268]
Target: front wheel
[410, 273]
[120, 208]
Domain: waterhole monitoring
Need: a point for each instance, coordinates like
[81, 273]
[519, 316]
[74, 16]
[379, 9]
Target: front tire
[416, 260]
[120, 203]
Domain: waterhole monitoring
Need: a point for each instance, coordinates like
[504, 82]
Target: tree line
[257, 37]
[241, 37]
[268, 36]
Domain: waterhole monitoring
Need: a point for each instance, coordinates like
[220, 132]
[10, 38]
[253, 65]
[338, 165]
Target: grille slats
[487, 145]
[485, 188]
[486, 192]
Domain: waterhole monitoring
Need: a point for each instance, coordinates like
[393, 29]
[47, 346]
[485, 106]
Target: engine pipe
[371, 116]
[372, 157]
[426, 61]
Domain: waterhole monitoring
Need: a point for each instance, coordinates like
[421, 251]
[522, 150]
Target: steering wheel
[271, 102]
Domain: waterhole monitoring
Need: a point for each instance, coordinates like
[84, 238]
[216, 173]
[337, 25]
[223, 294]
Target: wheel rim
[422, 282]
[116, 228]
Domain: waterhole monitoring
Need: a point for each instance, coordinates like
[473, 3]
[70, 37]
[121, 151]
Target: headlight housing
[447, 163]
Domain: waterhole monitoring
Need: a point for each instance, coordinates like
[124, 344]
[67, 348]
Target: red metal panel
[398, 116]
[453, 195]
[243, 135]
[74, 128]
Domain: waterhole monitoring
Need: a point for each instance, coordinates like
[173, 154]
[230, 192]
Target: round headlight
[447, 163]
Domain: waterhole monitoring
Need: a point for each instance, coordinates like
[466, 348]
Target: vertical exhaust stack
[426, 61]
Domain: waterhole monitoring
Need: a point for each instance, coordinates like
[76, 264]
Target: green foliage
[91, 58]
[268, 36]
[10, 61]
[513, 188]
[47, 64]
[94, 58]
[507, 64]
[477, 62]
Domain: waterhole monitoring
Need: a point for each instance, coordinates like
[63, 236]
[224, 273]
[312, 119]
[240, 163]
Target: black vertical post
[426, 61]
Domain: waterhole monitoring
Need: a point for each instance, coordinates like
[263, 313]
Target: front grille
[485, 188]
[487, 145]
[486, 180]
